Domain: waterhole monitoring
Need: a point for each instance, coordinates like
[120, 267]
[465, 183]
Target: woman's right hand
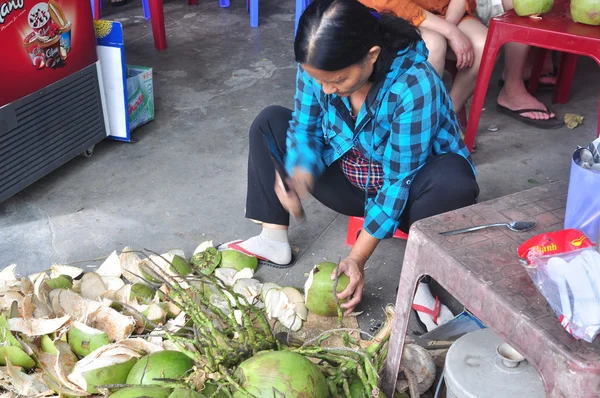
[462, 47]
[289, 199]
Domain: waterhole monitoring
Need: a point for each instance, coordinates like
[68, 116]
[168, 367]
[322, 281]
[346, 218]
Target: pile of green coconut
[164, 325]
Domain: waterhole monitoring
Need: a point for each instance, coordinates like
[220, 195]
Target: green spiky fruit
[160, 365]
[206, 261]
[237, 260]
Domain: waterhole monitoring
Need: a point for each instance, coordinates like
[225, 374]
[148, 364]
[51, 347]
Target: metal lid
[474, 369]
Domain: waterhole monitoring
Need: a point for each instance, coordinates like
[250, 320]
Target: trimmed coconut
[318, 289]
[297, 299]
[234, 259]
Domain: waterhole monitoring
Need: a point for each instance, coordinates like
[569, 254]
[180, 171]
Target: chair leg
[566, 72]
[536, 72]
[158, 24]
[254, 13]
[355, 224]
[192, 2]
[488, 60]
[599, 119]
[96, 6]
[146, 9]
[224, 3]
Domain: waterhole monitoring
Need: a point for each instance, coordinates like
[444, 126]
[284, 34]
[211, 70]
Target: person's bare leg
[437, 45]
[514, 95]
[464, 82]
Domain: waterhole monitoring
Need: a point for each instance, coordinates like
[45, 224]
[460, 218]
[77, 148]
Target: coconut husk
[67, 302]
[37, 326]
[8, 298]
[8, 278]
[130, 266]
[116, 325]
[27, 385]
[92, 286]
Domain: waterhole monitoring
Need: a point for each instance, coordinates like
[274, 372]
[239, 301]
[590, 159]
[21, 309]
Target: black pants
[444, 183]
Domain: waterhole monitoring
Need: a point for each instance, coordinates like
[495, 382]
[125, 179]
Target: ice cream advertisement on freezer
[41, 43]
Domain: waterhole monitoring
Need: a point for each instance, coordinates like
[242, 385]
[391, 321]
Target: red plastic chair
[355, 224]
[554, 31]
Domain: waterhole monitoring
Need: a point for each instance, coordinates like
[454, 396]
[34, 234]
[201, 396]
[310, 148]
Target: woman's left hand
[355, 270]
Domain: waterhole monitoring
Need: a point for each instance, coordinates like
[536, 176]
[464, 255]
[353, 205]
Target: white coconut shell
[297, 299]
[58, 270]
[112, 283]
[37, 326]
[92, 286]
[111, 267]
[130, 266]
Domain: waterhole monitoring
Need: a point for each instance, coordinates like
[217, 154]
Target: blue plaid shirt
[406, 119]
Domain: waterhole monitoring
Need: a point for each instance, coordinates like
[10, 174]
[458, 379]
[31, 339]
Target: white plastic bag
[570, 282]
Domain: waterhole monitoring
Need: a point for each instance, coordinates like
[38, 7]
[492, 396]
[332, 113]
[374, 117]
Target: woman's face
[348, 80]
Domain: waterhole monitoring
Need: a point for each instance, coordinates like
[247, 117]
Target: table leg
[536, 72]
[158, 24]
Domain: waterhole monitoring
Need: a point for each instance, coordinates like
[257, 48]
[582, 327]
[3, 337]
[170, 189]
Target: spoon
[517, 226]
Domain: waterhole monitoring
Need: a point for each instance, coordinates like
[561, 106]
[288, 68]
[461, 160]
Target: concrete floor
[184, 181]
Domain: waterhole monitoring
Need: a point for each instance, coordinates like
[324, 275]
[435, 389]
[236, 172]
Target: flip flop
[433, 313]
[542, 87]
[546, 124]
[235, 245]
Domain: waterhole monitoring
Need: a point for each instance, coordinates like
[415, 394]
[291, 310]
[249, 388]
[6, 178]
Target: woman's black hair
[334, 34]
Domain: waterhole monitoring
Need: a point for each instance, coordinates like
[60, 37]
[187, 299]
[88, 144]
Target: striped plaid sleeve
[305, 139]
[414, 122]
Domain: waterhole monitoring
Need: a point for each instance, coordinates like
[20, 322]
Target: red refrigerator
[51, 103]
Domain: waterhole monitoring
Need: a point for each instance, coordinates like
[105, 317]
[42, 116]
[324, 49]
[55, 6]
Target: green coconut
[180, 266]
[318, 289]
[280, 373]
[142, 391]
[160, 365]
[113, 374]
[47, 345]
[84, 339]
[237, 260]
[16, 356]
[60, 282]
[11, 348]
[185, 393]
[207, 260]
[586, 11]
[141, 292]
[210, 390]
[532, 7]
